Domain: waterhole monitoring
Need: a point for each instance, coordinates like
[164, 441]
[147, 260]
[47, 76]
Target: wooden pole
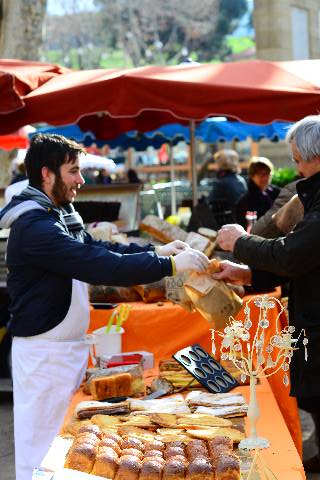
[172, 180]
[193, 164]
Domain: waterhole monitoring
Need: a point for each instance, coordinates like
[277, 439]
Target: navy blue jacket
[43, 258]
[229, 186]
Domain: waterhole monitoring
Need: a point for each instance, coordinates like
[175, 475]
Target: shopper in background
[133, 176]
[260, 195]
[103, 177]
[228, 184]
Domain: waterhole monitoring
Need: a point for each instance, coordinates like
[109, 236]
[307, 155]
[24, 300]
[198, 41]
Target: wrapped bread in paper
[176, 293]
[212, 298]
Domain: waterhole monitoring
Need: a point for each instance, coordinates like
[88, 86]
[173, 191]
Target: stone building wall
[273, 27]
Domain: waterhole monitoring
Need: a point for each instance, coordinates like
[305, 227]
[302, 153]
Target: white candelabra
[255, 357]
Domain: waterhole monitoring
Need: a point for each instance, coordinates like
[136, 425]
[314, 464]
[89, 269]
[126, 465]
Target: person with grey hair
[228, 184]
[294, 258]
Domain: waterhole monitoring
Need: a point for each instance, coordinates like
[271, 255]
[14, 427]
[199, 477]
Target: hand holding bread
[191, 260]
[233, 273]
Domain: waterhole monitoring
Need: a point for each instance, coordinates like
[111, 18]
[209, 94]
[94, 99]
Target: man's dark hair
[50, 151]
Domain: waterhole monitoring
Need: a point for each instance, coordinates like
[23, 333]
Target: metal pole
[193, 164]
[172, 179]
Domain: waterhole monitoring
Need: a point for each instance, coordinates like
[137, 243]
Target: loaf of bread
[151, 470]
[106, 463]
[173, 470]
[217, 451]
[220, 440]
[110, 443]
[93, 429]
[132, 442]
[134, 452]
[151, 292]
[81, 457]
[199, 242]
[154, 445]
[113, 386]
[162, 230]
[200, 469]
[228, 467]
[173, 452]
[89, 438]
[129, 468]
[197, 449]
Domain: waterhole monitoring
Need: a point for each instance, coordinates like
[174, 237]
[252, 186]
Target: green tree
[130, 33]
[167, 30]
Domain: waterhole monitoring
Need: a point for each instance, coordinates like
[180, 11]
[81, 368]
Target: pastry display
[117, 456]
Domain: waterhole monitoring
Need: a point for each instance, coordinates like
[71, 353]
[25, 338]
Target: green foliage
[115, 59]
[282, 176]
[239, 44]
[121, 33]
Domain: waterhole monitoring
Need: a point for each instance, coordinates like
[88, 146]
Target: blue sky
[60, 7]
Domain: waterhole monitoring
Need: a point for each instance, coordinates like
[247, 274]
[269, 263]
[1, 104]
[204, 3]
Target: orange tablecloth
[282, 457]
[165, 329]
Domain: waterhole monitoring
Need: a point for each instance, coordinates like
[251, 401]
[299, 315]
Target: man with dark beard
[50, 260]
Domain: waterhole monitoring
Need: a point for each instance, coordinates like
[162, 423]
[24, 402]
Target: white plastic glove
[172, 248]
[192, 260]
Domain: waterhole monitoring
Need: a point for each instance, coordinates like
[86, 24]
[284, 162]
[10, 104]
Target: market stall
[164, 328]
[96, 440]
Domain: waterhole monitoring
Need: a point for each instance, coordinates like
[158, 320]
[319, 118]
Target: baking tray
[205, 369]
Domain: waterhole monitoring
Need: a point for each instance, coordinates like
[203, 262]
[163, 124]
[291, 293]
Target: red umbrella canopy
[109, 102]
[19, 77]
[18, 139]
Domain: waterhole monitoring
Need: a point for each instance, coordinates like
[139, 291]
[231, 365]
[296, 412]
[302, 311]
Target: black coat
[296, 258]
[229, 186]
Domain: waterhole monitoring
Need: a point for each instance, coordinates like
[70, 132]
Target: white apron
[47, 369]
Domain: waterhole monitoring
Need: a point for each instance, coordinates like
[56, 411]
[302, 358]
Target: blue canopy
[70, 131]
[209, 131]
